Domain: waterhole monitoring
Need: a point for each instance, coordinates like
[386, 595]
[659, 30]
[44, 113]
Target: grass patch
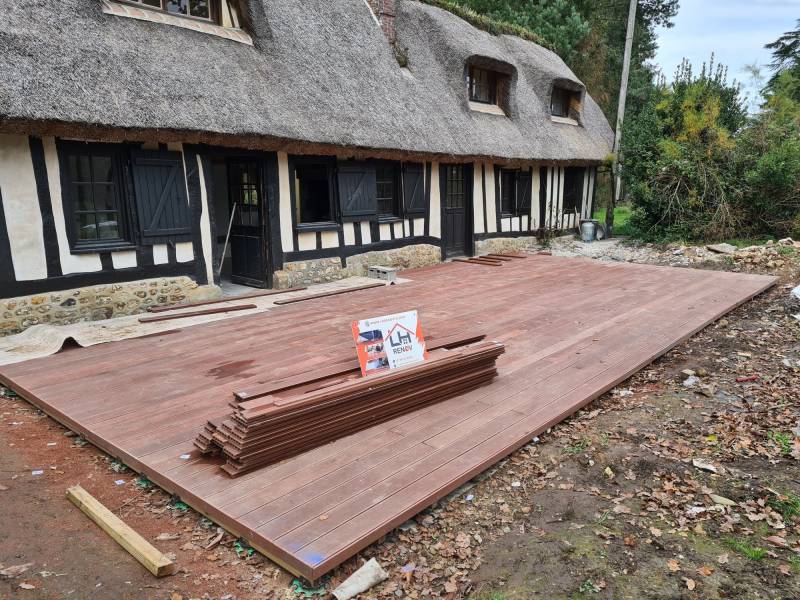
[783, 440]
[622, 218]
[491, 596]
[785, 250]
[577, 447]
[488, 24]
[745, 549]
[788, 505]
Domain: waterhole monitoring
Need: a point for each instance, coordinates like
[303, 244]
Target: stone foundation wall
[504, 244]
[319, 270]
[97, 302]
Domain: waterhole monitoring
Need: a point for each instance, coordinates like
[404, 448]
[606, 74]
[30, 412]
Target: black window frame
[213, 8]
[575, 203]
[329, 164]
[505, 174]
[125, 218]
[451, 178]
[566, 96]
[395, 181]
[491, 84]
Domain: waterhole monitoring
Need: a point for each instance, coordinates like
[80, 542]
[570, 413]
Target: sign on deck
[389, 342]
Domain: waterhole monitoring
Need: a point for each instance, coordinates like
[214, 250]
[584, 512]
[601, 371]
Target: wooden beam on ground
[331, 293]
[150, 557]
[196, 313]
[159, 309]
[508, 255]
[472, 261]
[496, 257]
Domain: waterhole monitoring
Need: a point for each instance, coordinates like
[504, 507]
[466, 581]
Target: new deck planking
[573, 329]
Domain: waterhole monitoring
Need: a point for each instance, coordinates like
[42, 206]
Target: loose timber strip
[331, 293]
[486, 261]
[496, 257]
[158, 309]
[196, 313]
[509, 255]
[472, 261]
[432, 343]
[153, 560]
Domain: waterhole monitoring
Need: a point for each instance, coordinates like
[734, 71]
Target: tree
[555, 21]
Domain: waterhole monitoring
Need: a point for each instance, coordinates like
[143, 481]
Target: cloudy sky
[735, 30]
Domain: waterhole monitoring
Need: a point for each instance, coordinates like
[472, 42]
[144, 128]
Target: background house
[329, 135]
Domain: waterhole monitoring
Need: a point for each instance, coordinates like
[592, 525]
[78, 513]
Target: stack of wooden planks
[293, 420]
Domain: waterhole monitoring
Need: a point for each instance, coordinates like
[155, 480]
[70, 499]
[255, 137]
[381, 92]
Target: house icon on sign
[400, 335]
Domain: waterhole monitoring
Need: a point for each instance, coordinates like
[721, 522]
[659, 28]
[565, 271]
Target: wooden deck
[573, 329]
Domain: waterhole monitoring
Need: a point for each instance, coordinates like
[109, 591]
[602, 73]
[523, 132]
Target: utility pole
[623, 92]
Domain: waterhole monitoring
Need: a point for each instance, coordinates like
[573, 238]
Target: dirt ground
[683, 482]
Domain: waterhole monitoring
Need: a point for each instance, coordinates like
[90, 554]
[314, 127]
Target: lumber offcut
[288, 422]
[196, 313]
[159, 309]
[153, 560]
[331, 293]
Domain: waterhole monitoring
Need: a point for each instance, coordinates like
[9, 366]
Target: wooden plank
[332, 293]
[138, 547]
[197, 313]
[159, 309]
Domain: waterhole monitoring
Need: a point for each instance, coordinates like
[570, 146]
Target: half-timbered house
[317, 136]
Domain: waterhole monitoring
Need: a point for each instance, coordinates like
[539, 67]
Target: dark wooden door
[248, 231]
[456, 209]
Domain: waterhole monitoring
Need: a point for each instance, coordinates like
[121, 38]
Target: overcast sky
[735, 30]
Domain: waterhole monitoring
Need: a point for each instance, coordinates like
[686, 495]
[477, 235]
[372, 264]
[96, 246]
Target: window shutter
[524, 184]
[414, 189]
[161, 202]
[357, 190]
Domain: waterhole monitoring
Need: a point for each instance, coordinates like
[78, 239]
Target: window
[508, 193]
[313, 193]
[455, 190]
[388, 190]
[92, 178]
[573, 189]
[482, 85]
[198, 9]
[561, 101]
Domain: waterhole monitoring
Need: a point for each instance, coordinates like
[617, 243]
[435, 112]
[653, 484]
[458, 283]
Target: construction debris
[153, 560]
[370, 574]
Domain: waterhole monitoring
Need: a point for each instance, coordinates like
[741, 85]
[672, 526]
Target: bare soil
[660, 489]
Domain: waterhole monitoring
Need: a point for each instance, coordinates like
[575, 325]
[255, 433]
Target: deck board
[573, 329]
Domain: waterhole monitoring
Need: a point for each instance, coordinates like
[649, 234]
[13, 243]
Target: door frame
[469, 212]
[262, 282]
[268, 213]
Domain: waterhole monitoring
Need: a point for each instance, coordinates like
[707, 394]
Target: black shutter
[524, 193]
[414, 189]
[161, 202]
[357, 190]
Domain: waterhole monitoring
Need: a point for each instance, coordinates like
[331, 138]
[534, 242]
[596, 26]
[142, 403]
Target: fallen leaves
[673, 565]
[705, 570]
[15, 571]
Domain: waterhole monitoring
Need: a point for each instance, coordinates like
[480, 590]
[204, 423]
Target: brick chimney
[386, 15]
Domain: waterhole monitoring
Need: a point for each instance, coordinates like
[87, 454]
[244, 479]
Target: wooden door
[456, 209]
[248, 231]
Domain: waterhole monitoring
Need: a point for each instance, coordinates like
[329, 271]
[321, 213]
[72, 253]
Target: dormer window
[482, 85]
[565, 103]
[207, 10]
[488, 83]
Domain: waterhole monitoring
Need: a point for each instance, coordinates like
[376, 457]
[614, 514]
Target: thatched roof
[320, 72]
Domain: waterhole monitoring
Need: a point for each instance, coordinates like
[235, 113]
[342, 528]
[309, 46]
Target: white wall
[21, 207]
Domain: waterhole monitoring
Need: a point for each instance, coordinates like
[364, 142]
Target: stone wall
[505, 244]
[97, 302]
[318, 270]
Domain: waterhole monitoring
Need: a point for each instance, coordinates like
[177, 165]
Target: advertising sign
[389, 342]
